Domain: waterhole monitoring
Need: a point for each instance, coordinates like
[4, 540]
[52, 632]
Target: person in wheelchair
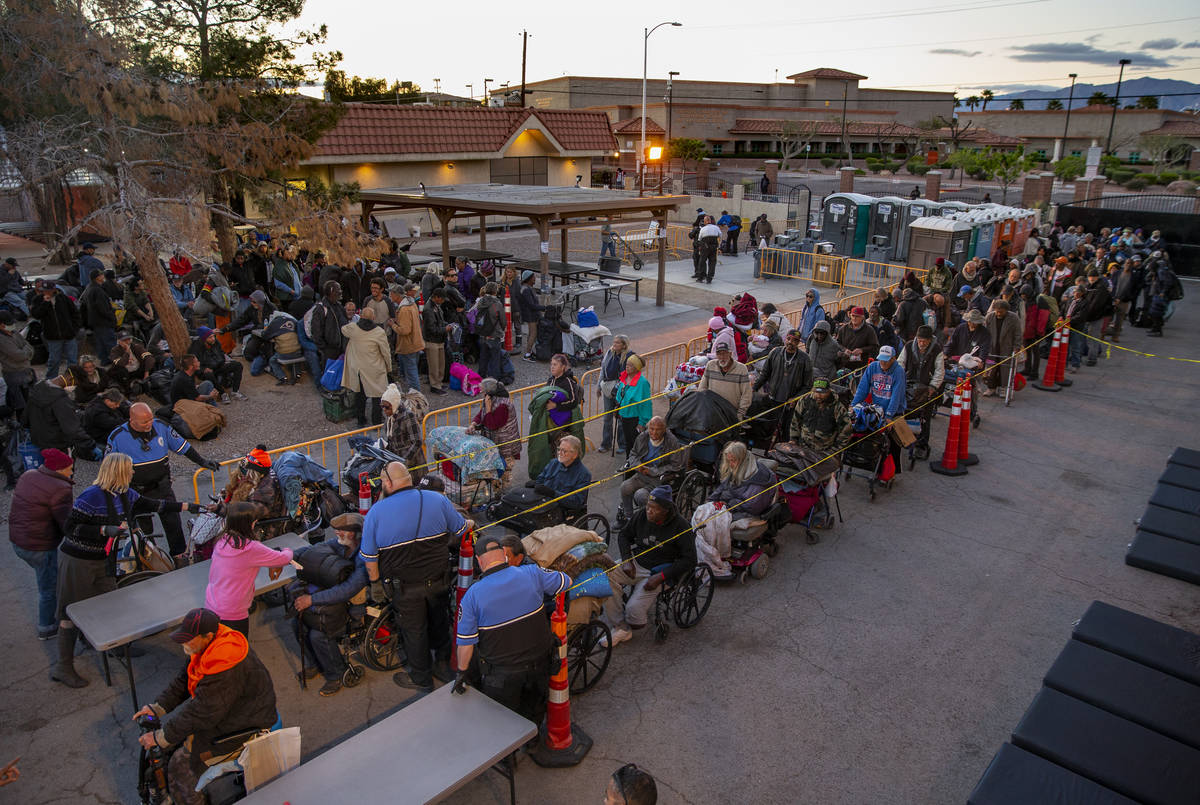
[565, 475]
[657, 546]
[334, 580]
[658, 448]
[823, 425]
[224, 689]
[924, 371]
[743, 483]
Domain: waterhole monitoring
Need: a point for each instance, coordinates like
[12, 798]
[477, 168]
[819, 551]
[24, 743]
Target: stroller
[470, 465]
[587, 343]
[869, 453]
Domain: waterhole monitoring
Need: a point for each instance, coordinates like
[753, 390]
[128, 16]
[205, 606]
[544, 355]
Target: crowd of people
[893, 352]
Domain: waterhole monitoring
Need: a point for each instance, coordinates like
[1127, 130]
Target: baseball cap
[12, 261]
[197, 622]
[204, 332]
[487, 543]
[858, 311]
[886, 354]
[722, 346]
[966, 289]
[662, 494]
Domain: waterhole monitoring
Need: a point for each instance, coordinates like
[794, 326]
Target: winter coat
[671, 543]
[922, 368]
[634, 392]
[784, 377]
[211, 357]
[810, 314]
[86, 388]
[489, 318]
[284, 334]
[733, 386]
[225, 689]
[326, 324]
[96, 307]
[15, 352]
[671, 458]
[822, 428]
[910, 315]
[368, 358]
[570, 481]
[40, 504]
[961, 279]
[59, 317]
[539, 421]
[407, 326]
[433, 324]
[99, 420]
[1005, 334]
[54, 422]
[503, 427]
[864, 338]
[531, 307]
[887, 388]
[749, 491]
[1099, 301]
[824, 356]
[963, 340]
[1037, 319]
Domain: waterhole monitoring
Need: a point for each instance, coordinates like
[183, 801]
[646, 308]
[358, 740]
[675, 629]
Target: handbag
[331, 378]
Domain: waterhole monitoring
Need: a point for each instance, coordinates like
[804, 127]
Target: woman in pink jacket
[236, 559]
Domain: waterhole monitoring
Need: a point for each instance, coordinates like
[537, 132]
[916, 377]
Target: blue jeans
[45, 566]
[409, 369]
[321, 650]
[1075, 348]
[104, 339]
[608, 248]
[16, 301]
[316, 366]
[58, 352]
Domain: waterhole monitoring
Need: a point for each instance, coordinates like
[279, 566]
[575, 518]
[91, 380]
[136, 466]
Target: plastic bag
[712, 537]
[587, 318]
[331, 378]
[265, 758]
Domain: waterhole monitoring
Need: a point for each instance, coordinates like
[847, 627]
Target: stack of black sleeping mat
[1116, 721]
[1167, 539]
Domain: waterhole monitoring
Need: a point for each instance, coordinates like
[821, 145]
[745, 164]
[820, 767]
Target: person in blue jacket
[884, 381]
[565, 475]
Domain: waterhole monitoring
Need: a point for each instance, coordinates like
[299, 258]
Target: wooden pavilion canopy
[562, 208]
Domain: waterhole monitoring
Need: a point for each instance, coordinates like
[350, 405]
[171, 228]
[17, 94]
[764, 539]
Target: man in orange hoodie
[223, 689]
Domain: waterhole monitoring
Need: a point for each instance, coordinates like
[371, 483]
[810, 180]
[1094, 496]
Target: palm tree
[1147, 102]
[986, 95]
[972, 102]
[1016, 105]
[1099, 99]
[1054, 105]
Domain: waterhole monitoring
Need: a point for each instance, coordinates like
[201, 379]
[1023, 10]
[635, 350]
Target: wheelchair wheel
[760, 566]
[382, 648]
[692, 598]
[589, 649]
[594, 522]
[353, 675]
[134, 578]
[692, 493]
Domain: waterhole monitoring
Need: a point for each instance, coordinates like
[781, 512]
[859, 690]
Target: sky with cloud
[961, 45]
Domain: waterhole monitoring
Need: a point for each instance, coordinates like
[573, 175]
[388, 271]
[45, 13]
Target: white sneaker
[619, 635]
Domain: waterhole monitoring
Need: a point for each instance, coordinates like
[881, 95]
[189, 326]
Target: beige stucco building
[1042, 130]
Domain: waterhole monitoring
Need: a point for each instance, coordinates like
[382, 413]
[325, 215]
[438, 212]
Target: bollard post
[965, 457]
[949, 463]
[562, 743]
[1048, 383]
[466, 570]
[1064, 348]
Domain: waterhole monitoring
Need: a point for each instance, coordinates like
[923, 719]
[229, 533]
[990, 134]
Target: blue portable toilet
[845, 221]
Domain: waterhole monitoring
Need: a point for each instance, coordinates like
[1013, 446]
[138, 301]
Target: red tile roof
[978, 136]
[376, 129]
[634, 126]
[750, 125]
[1178, 128]
[828, 72]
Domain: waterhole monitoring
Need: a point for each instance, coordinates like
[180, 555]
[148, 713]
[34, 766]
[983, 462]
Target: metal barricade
[660, 367]
[820, 269]
[869, 274]
[461, 415]
[324, 444]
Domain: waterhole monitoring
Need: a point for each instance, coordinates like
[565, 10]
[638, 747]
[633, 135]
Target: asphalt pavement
[885, 664]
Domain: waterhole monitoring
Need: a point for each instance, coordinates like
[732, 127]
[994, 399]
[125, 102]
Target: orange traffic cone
[1064, 349]
[562, 743]
[966, 458]
[1047, 383]
[466, 570]
[949, 463]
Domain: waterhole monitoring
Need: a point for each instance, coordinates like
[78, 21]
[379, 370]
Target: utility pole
[670, 99]
[1116, 103]
[524, 51]
[486, 99]
[437, 86]
[1067, 124]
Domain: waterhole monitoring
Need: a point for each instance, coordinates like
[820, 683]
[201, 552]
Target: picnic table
[422, 753]
[571, 294]
[415, 260]
[116, 619]
[475, 255]
[558, 270]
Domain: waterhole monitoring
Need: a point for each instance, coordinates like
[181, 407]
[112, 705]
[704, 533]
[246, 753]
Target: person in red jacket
[40, 505]
[1037, 322]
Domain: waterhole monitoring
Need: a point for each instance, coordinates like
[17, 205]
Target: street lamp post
[486, 99]
[1067, 124]
[670, 99]
[1116, 102]
[645, 58]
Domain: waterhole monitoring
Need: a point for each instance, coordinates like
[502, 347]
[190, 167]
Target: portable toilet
[933, 237]
[914, 208]
[951, 207]
[845, 221]
[884, 233]
[986, 229]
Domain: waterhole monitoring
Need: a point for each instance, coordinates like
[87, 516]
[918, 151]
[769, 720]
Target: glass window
[1041, 153]
[1076, 153]
[520, 170]
[1134, 156]
[716, 148]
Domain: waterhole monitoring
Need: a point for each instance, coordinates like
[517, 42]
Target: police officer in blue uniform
[149, 443]
[503, 613]
[406, 544]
